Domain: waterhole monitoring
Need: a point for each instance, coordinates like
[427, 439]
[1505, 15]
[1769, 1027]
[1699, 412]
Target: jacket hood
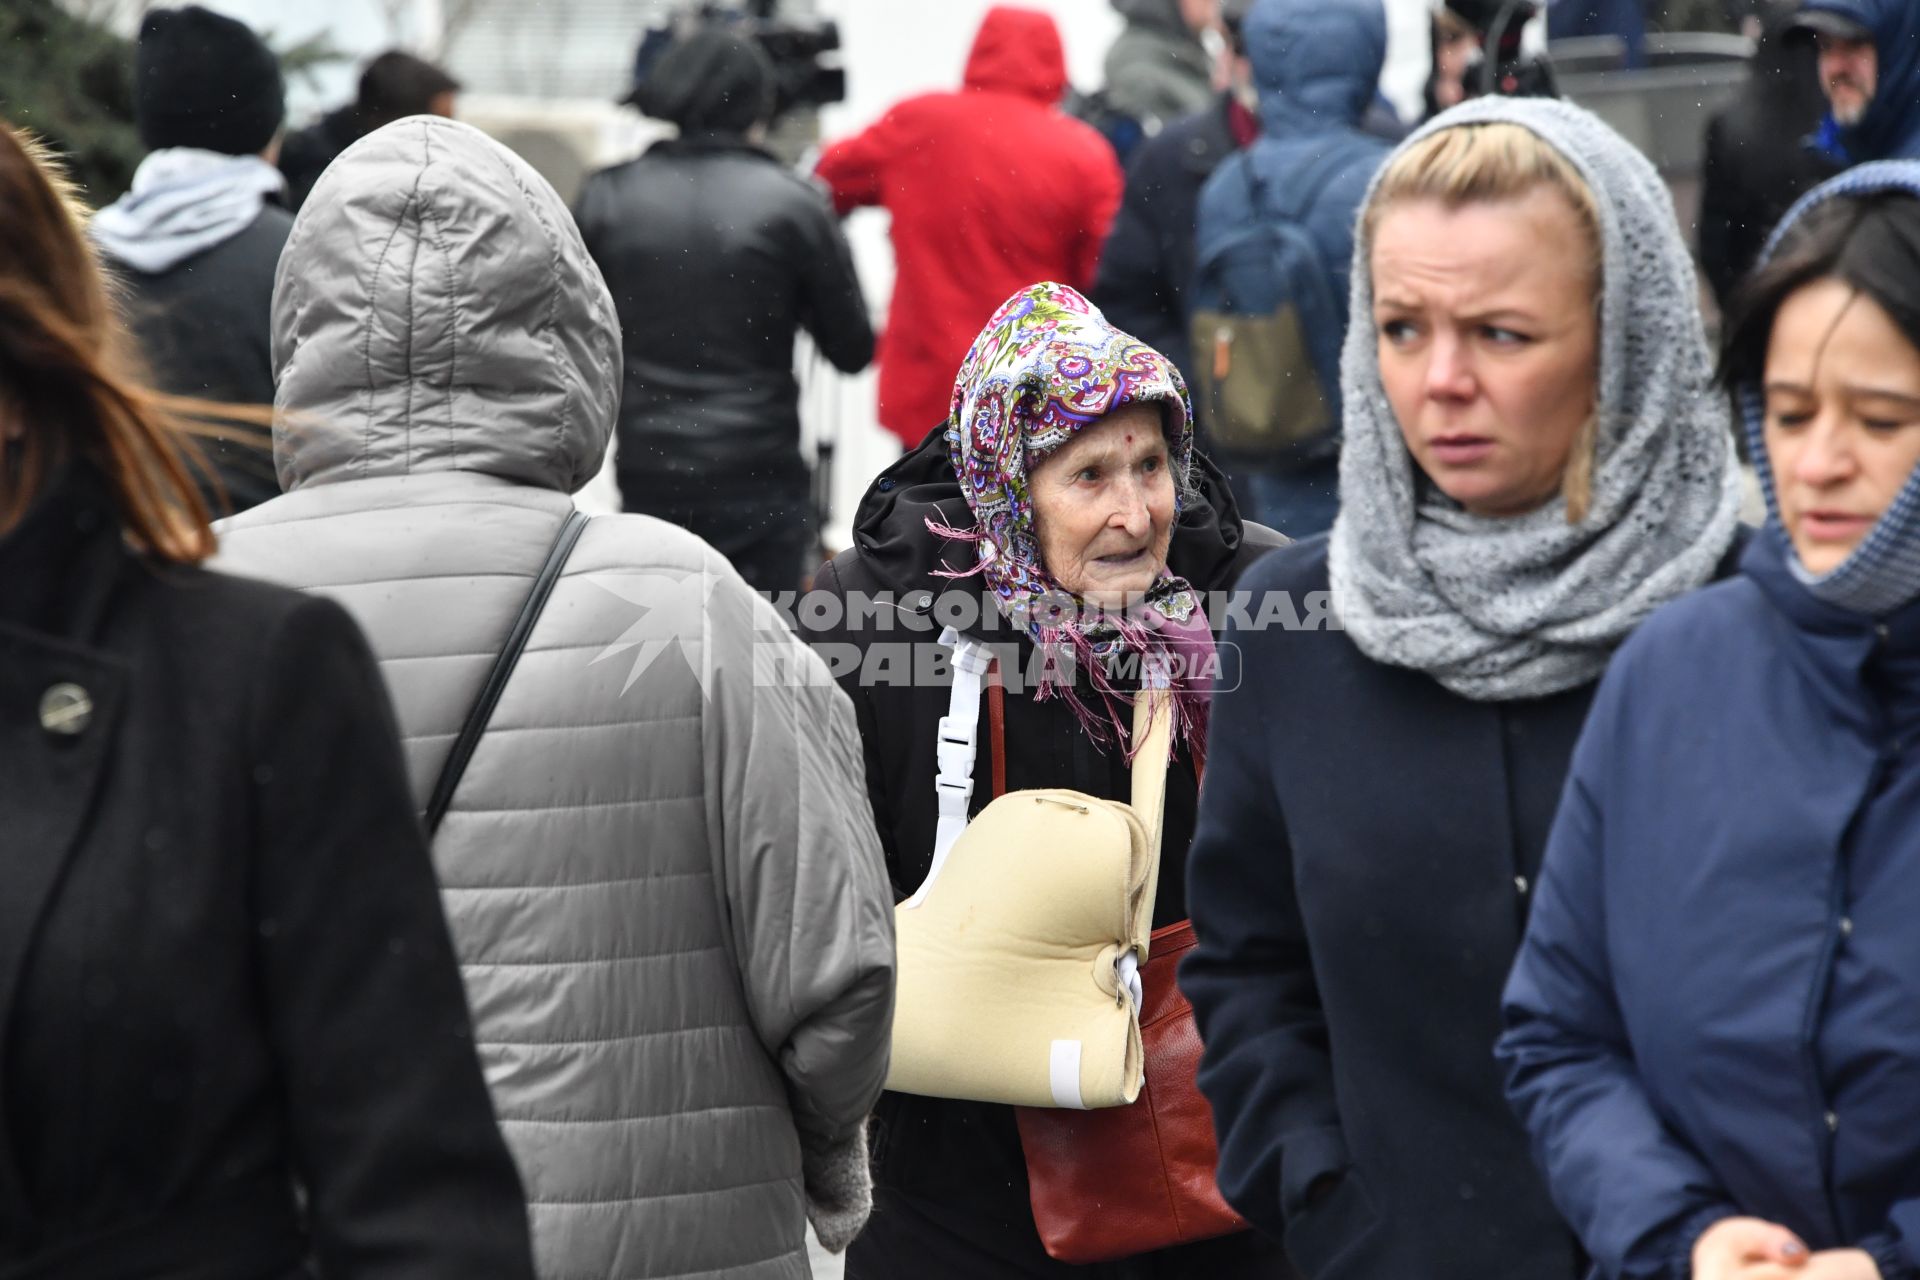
[1160, 15]
[436, 310]
[890, 527]
[1891, 125]
[1316, 62]
[1879, 576]
[1018, 51]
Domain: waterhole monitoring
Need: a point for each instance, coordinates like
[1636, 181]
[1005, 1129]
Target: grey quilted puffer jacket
[660, 868]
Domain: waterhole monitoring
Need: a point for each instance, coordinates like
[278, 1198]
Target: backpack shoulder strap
[1303, 190]
[503, 665]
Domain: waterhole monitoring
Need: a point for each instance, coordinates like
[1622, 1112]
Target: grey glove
[839, 1189]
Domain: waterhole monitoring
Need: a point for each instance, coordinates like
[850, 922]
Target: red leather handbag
[1123, 1181]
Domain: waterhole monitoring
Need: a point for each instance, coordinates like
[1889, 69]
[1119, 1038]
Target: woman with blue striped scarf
[1713, 1027]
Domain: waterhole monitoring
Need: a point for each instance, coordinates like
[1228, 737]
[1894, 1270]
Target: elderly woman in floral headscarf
[1061, 517]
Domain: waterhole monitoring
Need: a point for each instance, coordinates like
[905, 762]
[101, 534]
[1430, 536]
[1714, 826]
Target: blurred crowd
[1305, 769]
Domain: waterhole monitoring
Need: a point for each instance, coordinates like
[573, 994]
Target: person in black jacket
[716, 258]
[234, 1036]
[196, 242]
[1758, 157]
[951, 1192]
[1524, 475]
[1146, 266]
[394, 85]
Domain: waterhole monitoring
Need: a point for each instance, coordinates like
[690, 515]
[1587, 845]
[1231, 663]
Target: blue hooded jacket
[1890, 129]
[1317, 66]
[1716, 1009]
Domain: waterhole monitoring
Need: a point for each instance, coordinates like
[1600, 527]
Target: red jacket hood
[1018, 51]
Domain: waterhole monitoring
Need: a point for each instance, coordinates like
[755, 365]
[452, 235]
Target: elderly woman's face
[1103, 507]
[1843, 418]
[1488, 339]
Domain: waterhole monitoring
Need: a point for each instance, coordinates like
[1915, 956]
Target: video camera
[805, 75]
[1502, 68]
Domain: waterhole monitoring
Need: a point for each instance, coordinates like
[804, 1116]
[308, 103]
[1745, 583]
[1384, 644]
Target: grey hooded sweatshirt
[1157, 69]
[661, 868]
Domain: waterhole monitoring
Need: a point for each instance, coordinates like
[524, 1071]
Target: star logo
[675, 599]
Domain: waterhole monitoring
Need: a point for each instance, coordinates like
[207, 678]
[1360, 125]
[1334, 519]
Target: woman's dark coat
[1717, 1008]
[1358, 882]
[223, 965]
[962, 1153]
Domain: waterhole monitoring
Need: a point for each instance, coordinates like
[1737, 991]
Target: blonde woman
[1534, 459]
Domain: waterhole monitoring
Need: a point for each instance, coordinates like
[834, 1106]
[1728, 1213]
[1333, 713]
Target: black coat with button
[964, 1153]
[224, 972]
[1359, 883]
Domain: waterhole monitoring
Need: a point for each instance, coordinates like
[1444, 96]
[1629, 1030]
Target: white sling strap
[958, 749]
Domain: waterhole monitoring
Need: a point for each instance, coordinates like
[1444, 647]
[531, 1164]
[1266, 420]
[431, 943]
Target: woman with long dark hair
[233, 1040]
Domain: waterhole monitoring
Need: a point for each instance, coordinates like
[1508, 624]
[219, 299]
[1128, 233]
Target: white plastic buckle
[971, 656]
[1127, 969]
[954, 752]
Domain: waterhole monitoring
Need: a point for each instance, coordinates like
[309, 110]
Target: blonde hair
[1485, 163]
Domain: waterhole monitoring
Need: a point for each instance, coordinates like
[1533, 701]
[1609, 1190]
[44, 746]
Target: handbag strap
[997, 726]
[503, 665]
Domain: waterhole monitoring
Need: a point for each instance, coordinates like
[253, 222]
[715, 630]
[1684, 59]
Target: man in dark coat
[1147, 264]
[395, 85]
[197, 240]
[1870, 69]
[1041, 192]
[716, 256]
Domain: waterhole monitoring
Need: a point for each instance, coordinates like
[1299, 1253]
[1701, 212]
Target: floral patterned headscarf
[1047, 366]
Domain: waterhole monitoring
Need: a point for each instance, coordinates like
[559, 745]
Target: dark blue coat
[1358, 880]
[1717, 1006]
[1890, 130]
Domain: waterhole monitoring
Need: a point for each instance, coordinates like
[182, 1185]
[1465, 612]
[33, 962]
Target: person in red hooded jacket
[992, 188]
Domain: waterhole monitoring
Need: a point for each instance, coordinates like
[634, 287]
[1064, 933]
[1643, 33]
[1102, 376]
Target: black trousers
[913, 1238]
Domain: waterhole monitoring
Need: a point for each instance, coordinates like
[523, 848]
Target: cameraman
[716, 256]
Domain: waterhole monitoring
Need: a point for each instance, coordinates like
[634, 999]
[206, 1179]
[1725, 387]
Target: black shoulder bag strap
[482, 710]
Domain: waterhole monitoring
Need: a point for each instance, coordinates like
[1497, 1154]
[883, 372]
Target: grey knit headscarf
[1525, 606]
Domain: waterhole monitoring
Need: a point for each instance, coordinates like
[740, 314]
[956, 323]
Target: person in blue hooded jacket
[1870, 69]
[1713, 1025]
[1316, 65]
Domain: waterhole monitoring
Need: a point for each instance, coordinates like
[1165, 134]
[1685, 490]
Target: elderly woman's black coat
[223, 965]
[964, 1158]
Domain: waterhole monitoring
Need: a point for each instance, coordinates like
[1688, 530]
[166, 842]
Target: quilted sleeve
[811, 909]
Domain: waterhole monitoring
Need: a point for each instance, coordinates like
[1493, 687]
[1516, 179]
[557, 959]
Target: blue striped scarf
[1883, 572]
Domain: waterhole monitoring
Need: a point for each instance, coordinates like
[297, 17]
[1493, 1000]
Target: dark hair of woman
[1872, 243]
